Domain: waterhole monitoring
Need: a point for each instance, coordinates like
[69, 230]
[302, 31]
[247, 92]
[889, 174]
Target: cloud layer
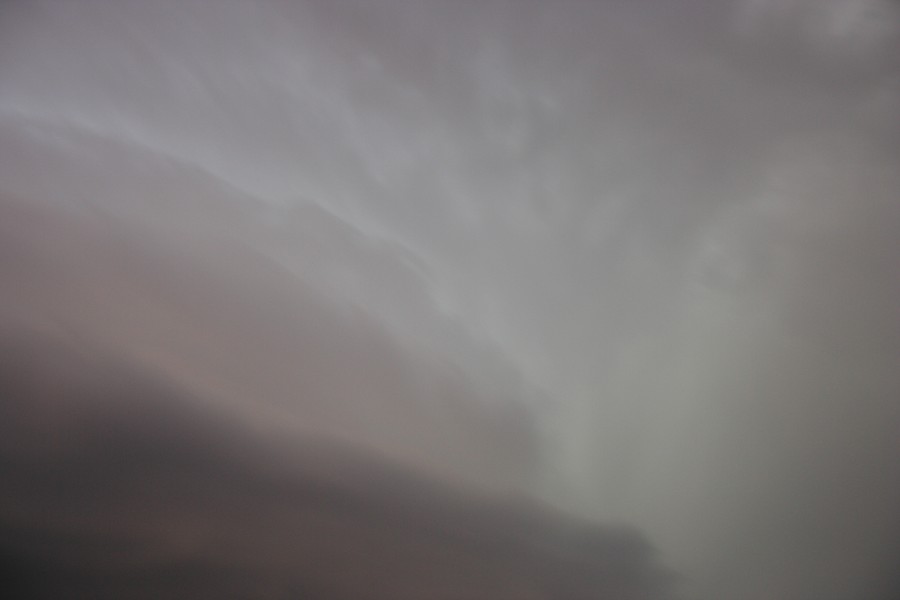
[634, 258]
[119, 485]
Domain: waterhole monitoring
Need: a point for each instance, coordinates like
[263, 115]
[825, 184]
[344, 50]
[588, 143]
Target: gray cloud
[142, 492]
[647, 246]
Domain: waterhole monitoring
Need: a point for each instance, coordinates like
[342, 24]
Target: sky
[634, 261]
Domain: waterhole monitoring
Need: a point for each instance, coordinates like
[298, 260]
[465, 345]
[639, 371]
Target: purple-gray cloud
[635, 259]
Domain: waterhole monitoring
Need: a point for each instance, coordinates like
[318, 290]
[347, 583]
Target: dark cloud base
[115, 485]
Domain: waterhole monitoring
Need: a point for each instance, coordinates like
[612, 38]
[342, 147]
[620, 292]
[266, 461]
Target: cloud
[230, 324]
[116, 484]
[685, 235]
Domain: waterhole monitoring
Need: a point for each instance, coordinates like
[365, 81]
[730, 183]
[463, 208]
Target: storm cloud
[118, 485]
[559, 264]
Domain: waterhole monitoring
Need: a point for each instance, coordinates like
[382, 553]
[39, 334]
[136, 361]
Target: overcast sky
[637, 259]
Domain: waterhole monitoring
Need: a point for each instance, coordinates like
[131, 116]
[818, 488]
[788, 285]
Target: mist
[623, 272]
